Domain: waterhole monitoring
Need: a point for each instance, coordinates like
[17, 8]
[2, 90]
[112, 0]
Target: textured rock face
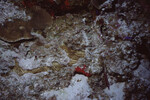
[44, 67]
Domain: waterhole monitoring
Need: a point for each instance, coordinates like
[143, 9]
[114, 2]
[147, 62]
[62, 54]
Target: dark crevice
[17, 43]
[53, 8]
[144, 48]
[58, 11]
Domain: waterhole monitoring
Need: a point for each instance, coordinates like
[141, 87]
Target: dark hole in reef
[144, 48]
[53, 8]
[57, 10]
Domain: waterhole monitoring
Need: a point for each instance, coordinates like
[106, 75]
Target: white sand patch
[79, 89]
[116, 91]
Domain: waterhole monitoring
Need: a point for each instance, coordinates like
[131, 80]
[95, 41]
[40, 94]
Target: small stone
[21, 27]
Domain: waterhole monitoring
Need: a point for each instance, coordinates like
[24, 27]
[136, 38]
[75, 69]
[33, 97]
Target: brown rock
[20, 30]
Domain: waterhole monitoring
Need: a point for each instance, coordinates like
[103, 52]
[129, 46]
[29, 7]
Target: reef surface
[101, 52]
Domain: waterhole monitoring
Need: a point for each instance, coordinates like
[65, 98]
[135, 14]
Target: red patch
[51, 1]
[28, 3]
[81, 70]
[66, 3]
[52, 13]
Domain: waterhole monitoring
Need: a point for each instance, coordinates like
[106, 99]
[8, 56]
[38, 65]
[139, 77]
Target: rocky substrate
[39, 55]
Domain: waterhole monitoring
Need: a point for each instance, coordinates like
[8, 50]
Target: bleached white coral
[29, 63]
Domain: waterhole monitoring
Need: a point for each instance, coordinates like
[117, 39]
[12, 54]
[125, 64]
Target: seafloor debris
[44, 68]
